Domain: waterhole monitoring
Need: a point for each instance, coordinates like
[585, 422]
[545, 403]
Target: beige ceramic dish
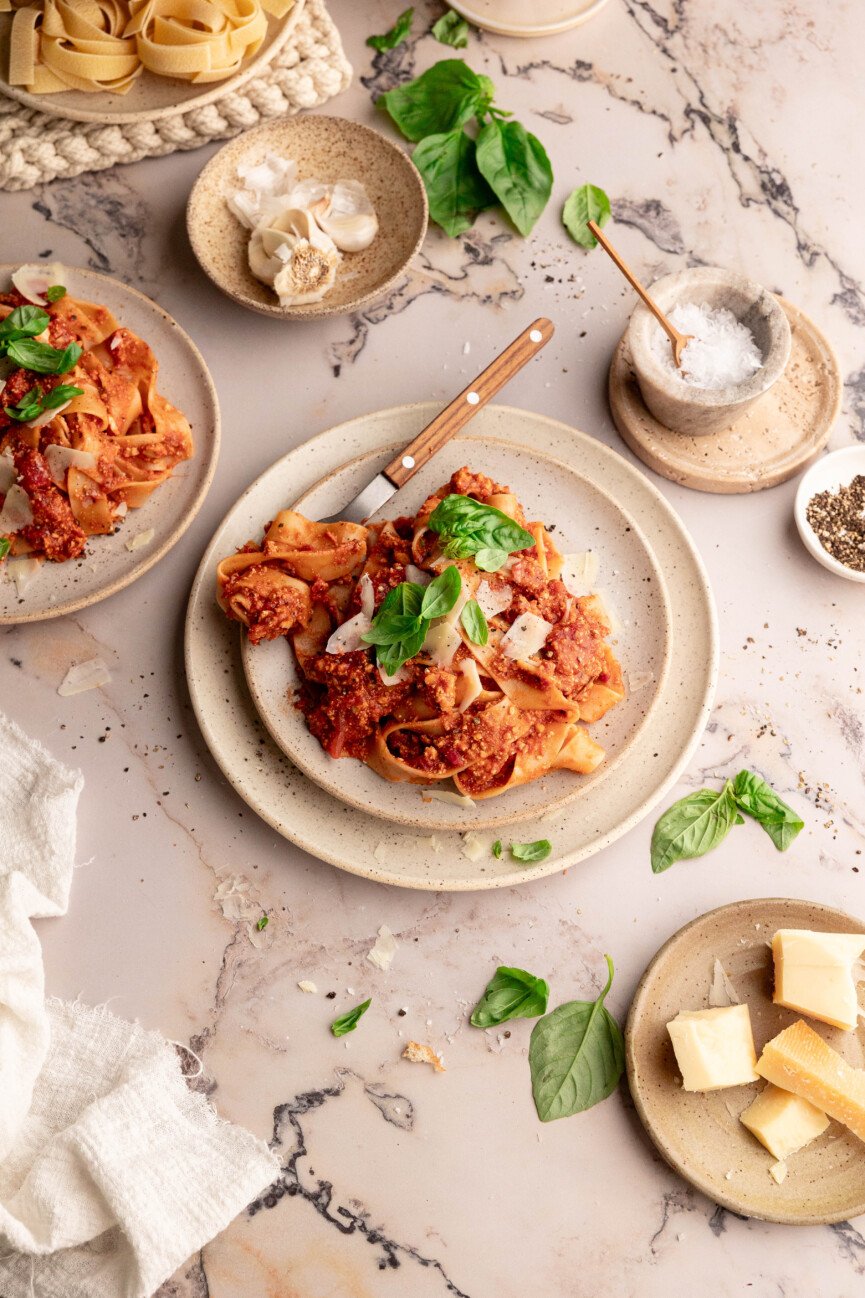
[152, 97]
[528, 18]
[394, 854]
[327, 149]
[107, 566]
[700, 1135]
[585, 517]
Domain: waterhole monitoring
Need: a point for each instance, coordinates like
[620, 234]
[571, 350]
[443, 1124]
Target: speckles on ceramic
[347, 837]
[327, 149]
[183, 379]
[700, 1135]
[767, 444]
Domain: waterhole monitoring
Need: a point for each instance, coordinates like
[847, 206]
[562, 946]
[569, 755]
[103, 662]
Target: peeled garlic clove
[264, 266]
[348, 216]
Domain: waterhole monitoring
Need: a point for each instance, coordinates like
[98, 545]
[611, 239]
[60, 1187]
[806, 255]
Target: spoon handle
[472, 399]
[672, 333]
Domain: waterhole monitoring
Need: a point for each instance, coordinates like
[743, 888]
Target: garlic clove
[348, 216]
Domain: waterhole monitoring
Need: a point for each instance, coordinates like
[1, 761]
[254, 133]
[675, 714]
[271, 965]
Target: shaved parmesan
[526, 637]
[472, 688]
[347, 638]
[639, 680]
[16, 512]
[441, 643]
[474, 847]
[367, 596]
[435, 845]
[121, 509]
[722, 993]
[580, 573]
[384, 950]
[84, 676]
[306, 986]
[399, 675]
[491, 600]
[22, 570]
[62, 458]
[417, 575]
[32, 281]
[140, 539]
[445, 795]
[610, 612]
[47, 415]
[778, 1172]
[8, 472]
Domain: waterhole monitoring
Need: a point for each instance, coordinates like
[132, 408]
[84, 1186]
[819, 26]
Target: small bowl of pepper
[830, 512]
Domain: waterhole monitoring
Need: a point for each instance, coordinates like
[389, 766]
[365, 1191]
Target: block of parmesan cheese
[814, 974]
[714, 1048]
[783, 1122]
[800, 1061]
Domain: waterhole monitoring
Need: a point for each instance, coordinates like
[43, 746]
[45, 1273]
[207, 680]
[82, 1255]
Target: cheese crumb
[778, 1171]
[84, 676]
[384, 949]
[307, 986]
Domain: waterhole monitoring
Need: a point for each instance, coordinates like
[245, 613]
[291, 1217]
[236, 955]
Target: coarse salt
[721, 353]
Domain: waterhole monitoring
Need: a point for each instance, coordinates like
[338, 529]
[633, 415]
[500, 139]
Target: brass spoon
[678, 341]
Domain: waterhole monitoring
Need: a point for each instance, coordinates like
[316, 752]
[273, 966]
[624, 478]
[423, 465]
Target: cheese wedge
[714, 1048]
[800, 1061]
[814, 974]
[783, 1122]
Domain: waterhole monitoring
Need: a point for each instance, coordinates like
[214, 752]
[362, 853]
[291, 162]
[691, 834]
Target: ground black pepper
[838, 519]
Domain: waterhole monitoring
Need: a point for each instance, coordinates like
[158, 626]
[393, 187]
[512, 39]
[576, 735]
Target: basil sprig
[42, 358]
[510, 994]
[401, 623]
[34, 402]
[697, 823]
[395, 36]
[506, 164]
[474, 623]
[576, 1056]
[468, 528]
[348, 1022]
[588, 203]
[451, 29]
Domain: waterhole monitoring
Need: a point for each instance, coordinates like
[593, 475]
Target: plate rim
[729, 1202]
[148, 561]
[268, 52]
[502, 820]
[527, 31]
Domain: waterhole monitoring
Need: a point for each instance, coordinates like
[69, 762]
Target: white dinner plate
[106, 566]
[353, 840]
[584, 518]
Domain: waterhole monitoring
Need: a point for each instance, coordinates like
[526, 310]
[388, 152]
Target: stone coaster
[769, 443]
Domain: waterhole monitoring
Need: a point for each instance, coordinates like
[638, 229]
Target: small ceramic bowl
[835, 470]
[327, 149]
[678, 405]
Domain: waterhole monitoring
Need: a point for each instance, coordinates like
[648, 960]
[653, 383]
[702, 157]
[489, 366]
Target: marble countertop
[726, 134]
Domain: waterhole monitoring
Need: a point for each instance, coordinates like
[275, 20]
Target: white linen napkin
[112, 1172]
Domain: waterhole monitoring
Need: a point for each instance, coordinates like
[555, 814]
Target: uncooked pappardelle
[84, 433]
[455, 644]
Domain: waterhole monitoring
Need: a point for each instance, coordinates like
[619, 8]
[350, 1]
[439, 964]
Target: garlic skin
[348, 216]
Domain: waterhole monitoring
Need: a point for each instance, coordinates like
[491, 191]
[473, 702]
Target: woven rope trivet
[311, 68]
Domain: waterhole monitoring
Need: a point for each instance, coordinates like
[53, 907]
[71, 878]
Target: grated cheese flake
[474, 847]
[493, 600]
[526, 637]
[381, 954]
[16, 512]
[62, 458]
[306, 986]
[445, 795]
[90, 675]
[140, 539]
[722, 992]
[23, 570]
[580, 573]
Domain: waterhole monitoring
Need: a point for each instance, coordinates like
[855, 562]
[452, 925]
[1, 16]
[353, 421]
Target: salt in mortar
[721, 353]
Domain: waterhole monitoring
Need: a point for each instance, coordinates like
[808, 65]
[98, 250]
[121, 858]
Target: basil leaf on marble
[576, 1056]
[42, 358]
[452, 29]
[442, 593]
[693, 826]
[588, 203]
[475, 623]
[262, 923]
[455, 188]
[5, 545]
[510, 994]
[395, 36]
[439, 100]
[537, 851]
[760, 801]
[55, 292]
[497, 849]
[349, 1021]
[515, 165]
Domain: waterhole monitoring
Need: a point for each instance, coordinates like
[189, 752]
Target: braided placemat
[36, 147]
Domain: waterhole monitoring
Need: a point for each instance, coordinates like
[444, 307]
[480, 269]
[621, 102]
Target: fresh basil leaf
[43, 358]
[692, 826]
[468, 527]
[515, 165]
[537, 851]
[5, 545]
[475, 624]
[576, 1056]
[388, 628]
[442, 593]
[55, 292]
[348, 1022]
[60, 395]
[23, 322]
[28, 407]
[455, 188]
[758, 799]
[510, 994]
[497, 849]
[452, 29]
[406, 598]
[490, 560]
[395, 36]
[439, 100]
[588, 203]
[263, 923]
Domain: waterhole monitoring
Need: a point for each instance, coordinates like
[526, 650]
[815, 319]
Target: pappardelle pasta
[443, 646]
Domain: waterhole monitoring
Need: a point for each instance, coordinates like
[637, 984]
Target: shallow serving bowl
[676, 404]
[327, 149]
[835, 470]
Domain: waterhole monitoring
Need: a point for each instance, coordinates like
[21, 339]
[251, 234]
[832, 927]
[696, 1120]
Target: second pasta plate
[583, 518]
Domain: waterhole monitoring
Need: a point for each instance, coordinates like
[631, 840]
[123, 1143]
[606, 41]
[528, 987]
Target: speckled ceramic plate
[396, 854]
[585, 517]
[528, 17]
[700, 1135]
[107, 566]
[327, 149]
[151, 97]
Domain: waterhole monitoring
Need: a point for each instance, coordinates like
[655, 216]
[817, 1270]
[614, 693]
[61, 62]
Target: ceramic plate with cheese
[746, 1059]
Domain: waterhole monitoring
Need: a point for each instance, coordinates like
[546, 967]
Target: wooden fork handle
[468, 403]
